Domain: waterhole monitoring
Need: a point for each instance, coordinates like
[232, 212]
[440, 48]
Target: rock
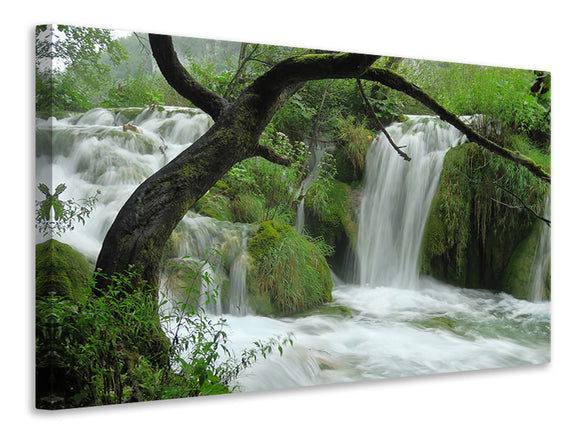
[61, 270]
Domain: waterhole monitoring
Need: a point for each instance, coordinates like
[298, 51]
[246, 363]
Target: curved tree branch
[271, 155]
[312, 67]
[178, 77]
[395, 81]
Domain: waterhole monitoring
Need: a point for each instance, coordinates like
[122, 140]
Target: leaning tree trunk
[144, 224]
[138, 235]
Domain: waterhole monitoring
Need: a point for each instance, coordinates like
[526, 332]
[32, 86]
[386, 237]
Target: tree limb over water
[395, 81]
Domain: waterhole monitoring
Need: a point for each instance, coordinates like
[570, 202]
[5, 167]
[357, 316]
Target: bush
[290, 273]
[112, 348]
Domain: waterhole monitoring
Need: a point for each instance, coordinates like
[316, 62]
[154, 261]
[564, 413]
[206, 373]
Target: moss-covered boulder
[473, 226]
[289, 273]
[61, 270]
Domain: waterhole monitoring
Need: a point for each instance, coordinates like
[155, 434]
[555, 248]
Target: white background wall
[533, 34]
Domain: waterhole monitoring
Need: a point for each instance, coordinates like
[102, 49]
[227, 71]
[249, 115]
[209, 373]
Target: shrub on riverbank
[289, 274]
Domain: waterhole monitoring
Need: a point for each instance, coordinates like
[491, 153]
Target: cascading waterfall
[216, 249]
[397, 198]
[94, 151]
[397, 328]
[541, 264]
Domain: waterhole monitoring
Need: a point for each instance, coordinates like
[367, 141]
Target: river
[397, 324]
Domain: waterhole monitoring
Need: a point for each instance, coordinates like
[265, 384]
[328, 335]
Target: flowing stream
[401, 324]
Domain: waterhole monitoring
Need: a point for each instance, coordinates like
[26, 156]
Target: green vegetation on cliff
[337, 222]
[474, 226]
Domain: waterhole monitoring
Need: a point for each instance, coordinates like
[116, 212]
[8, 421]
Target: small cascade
[214, 253]
[541, 265]
[114, 150]
[238, 273]
[397, 198]
[93, 151]
[317, 152]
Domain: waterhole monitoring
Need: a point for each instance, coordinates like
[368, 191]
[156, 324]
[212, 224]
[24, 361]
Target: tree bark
[180, 80]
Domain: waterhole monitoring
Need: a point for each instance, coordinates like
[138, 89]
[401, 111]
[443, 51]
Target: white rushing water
[317, 152]
[541, 264]
[397, 198]
[400, 325]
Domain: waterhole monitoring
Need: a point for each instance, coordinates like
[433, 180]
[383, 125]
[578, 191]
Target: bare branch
[272, 156]
[506, 190]
[378, 122]
[522, 202]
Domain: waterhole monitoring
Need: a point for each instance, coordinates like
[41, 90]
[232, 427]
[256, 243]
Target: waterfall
[202, 246]
[316, 154]
[541, 265]
[114, 150]
[397, 198]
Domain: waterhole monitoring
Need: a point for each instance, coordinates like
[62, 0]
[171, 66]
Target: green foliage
[354, 140]
[290, 272]
[54, 216]
[473, 225]
[295, 118]
[95, 343]
[256, 190]
[502, 94]
[112, 349]
[70, 68]
[335, 224]
[318, 196]
[137, 89]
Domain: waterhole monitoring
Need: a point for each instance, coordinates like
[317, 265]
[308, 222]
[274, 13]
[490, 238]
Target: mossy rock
[127, 114]
[329, 310]
[289, 273]
[267, 238]
[443, 323]
[470, 235]
[61, 270]
[518, 277]
[215, 205]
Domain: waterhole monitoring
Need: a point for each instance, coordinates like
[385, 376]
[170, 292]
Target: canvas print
[224, 217]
